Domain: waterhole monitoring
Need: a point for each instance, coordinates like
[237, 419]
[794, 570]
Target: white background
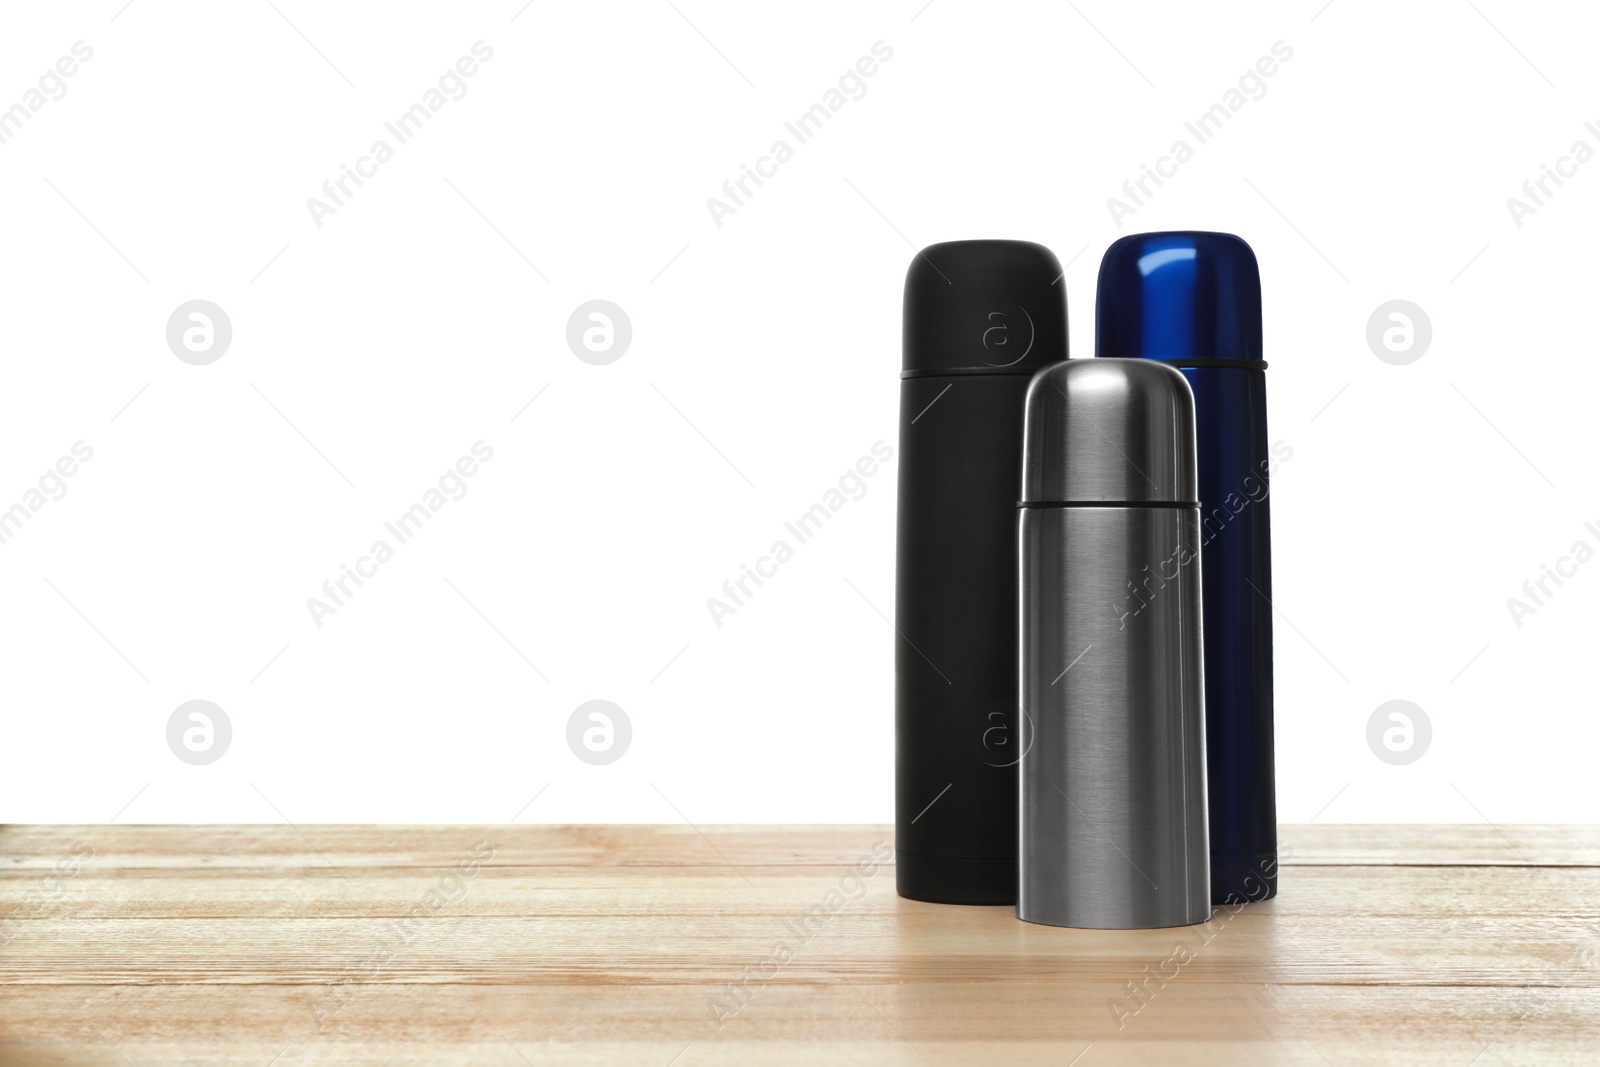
[764, 362]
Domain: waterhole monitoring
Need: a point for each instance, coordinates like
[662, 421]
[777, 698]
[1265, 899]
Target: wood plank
[586, 845]
[580, 944]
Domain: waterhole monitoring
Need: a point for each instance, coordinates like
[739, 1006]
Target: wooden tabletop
[658, 945]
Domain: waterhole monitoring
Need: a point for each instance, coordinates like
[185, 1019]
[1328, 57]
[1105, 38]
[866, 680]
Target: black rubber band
[1108, 503]
[1246, 364]
[964, 372]
[1180, 364]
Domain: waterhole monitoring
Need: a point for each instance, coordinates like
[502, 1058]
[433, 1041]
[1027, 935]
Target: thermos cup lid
[1108, 432]
[983, 307]
[1185, 297]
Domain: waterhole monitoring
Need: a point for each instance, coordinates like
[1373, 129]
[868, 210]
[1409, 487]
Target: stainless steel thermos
[980, 318]
[1193, 301]
[1112, 800]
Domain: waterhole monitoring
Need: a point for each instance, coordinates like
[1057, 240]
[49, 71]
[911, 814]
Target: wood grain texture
[1449, 945]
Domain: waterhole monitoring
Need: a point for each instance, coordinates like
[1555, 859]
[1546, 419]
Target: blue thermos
[1193, 300]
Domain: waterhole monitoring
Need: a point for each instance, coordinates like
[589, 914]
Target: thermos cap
[983, 307]
[1108, 432]
[1185, 297]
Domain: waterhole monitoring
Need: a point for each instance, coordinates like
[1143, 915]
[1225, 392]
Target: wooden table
[658, 945]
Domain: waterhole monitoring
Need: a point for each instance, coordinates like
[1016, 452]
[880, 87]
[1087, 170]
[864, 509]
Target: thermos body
[1113, 684]
[1236, 561]
[956, 655]
[980, 318]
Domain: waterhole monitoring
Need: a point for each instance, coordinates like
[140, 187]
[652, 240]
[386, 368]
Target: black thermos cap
[983, 307]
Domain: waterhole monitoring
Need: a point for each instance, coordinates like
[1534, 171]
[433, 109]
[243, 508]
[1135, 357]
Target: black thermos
[980, 318]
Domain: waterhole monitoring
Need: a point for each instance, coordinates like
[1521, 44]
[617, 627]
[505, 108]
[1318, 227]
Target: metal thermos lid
[983, 307]
[1184, 297]
[1108, 432]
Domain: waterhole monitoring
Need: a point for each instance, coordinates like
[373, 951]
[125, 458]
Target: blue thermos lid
[1188, 297]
